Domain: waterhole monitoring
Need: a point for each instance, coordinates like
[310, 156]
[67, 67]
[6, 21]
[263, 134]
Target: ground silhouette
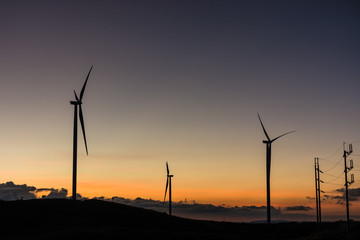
[96, 219]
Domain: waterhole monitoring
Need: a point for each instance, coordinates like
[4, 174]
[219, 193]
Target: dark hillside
[94, 219]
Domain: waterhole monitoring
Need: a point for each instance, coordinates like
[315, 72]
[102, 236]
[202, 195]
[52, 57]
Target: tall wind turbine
[77, 104]
[168, 184]
[268, 165]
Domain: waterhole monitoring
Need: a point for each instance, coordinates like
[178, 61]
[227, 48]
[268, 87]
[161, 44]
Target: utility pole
[316, 192]
[319, 189]
[347, 183]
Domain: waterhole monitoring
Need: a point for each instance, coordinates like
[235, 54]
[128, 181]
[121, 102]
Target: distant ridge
[96, 219]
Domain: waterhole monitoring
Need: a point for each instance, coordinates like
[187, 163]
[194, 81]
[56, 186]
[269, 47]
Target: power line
[337, 151]
[333, 166]
[330, 192]
[336, 177]
[334, 183]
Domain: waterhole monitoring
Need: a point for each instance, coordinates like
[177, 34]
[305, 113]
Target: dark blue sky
[178, 81]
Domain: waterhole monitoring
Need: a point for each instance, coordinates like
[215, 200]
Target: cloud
[43, 189]
[298, 208]
[353, 195]
[54, 193]
[352, 192]
[212, 212]
[10, 191]
[310, 198]
[332, 197]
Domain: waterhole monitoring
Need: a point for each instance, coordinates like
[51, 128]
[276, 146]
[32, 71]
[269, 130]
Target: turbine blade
[167, 184]
[83, 127]
[76, 97]
[267, 136]
[167, 168]
[83, 88]
[282, 135]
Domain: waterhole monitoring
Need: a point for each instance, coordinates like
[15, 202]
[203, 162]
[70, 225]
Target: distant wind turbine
[168, 184]
[77, 104]
[268, 165]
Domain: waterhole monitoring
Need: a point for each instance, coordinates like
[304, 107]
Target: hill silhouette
[96, 219]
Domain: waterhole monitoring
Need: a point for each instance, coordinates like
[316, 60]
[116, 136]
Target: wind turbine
[268, 165]
[168, 184]
[77, 104]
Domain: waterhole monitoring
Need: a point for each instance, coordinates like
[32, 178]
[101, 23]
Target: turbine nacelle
[75, 103]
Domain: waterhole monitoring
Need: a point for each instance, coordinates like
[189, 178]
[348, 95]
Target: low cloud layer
[212, 212]
[10, 192]
[54, 193]
[298, 208]
[353, 194]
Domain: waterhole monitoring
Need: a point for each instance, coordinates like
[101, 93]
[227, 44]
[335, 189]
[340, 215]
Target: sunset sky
[182, 81]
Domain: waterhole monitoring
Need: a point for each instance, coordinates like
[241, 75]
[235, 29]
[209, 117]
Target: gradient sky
[180, 81]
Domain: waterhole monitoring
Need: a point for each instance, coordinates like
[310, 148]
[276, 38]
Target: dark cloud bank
[218, 213]
[10, 191]
[339, 196]
[353, 193]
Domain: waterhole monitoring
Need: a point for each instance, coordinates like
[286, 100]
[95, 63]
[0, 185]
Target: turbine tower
[268, 166]
[77, 104]
[168, 184]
